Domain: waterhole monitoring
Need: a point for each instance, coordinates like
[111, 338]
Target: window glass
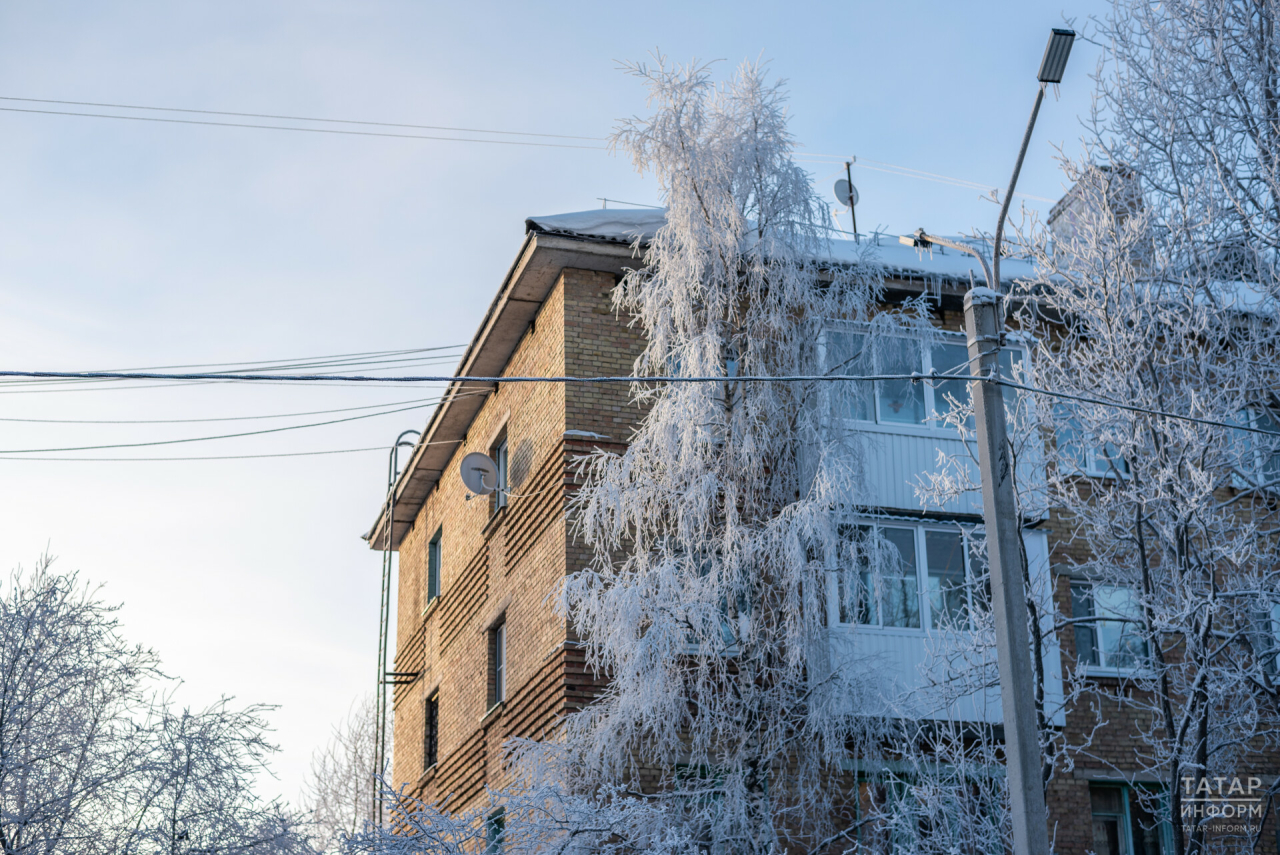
[500, 664]
[1108, 820]
[899, 587]
[430, 731]
[500, 458]
[846, 355]
[1011, 369]
[1268, 420]
[433, 566]
[495, 828]
[900, 401]
[1111, 640]
[944, 558]
[979, 572]
[950, 358]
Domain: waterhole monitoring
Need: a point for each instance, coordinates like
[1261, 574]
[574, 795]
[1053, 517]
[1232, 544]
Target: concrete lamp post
[984, 327]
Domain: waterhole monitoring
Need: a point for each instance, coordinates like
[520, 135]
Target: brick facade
[499, 566]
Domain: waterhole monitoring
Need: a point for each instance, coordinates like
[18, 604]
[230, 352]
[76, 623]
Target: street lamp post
[984, 328]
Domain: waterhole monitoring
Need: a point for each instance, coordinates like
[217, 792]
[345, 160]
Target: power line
[298, 129]
[209, 438]
[427, 401]
[296, 118]
[811, 157]
[793, 378]
[381, 448]
[339, 356]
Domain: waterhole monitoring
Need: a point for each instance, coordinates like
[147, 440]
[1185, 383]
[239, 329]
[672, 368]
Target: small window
[430, 731]
[433, 566]
[1080, 454]
[1123, 823]
[912, 576]
[907, 402]
[1269, 450]
[495, 828]
[498, 664]
[1112, 638]
[499, 456]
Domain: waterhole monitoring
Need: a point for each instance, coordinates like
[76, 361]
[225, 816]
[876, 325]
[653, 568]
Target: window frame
[497, 682]
[431, 731]
[435, 560]
[500, 456]
[970, 535]
[1094, 459]
[495, 829]
[933, 423]
[1266, 418]
[1091, 622]
[1127, 826]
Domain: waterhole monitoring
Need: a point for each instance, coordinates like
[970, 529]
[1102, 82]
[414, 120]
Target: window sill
[1116, 673]
[905, 429]
[425, 777]
[431, 607]
[494, 519]
[912, 631]
[494, 712]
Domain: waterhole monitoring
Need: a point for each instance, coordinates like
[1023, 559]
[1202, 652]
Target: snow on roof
[626, 225]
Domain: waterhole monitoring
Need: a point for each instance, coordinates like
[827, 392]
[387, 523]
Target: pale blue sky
[136, 244]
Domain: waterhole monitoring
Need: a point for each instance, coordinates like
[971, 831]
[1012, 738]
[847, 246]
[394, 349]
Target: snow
[625, 226]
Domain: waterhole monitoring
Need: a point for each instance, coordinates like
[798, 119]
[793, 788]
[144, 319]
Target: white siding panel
[896, 463]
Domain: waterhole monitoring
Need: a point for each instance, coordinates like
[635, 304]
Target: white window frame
[1096, 463]
[933, 424]
[1102, 668]
[919, 530]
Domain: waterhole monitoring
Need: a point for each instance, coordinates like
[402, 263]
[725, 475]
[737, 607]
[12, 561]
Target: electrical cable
[210, 438]
[217, 457]
[300, 130]
[296, 118]
[219, 419]
[802, 156]
[795, 378]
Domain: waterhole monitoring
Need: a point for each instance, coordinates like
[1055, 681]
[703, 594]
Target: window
[913, 576]
[1112, 638]
[1085, 457]
[498, 664]
[433, 566]
[499, 455]
[495, 828]
[430, 731]
[1267, 419]
[904, 402]
[1123, 824]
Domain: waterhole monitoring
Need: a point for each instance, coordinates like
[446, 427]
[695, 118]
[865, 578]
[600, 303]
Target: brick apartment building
[489, 657]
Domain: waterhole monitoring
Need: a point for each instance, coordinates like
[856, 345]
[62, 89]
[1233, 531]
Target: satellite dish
[479, 473]
[845, 192]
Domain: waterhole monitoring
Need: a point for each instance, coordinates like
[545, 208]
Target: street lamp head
[1055, 55]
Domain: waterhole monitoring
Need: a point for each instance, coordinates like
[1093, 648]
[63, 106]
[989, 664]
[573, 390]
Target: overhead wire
[297, 129]
[495, 380]
[426, 401]
[803, 156]
[296, 118]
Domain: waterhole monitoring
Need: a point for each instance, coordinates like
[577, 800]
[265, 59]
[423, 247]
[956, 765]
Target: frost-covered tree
[94, 759]
[715, 530]
[729, 721]
[1177, 521]
[338, 792]
[70, 687]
